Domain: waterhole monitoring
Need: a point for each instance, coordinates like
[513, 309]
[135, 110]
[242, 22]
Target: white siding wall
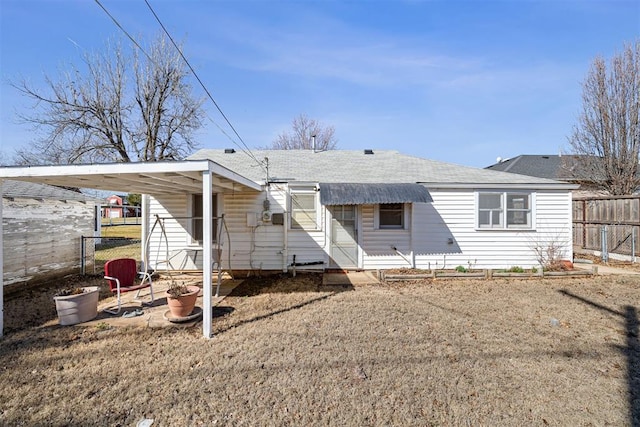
[444, 235]
[260, 247]
[377, 244]
[42, 238]
[441, 234]
[173, 213]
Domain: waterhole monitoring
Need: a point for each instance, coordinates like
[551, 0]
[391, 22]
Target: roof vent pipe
[229, 150]
[313, 143]
[368, 151]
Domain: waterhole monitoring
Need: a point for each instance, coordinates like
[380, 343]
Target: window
[490, 210]
[196, 224]
[504, 210]
[304, 212]
[391, 215]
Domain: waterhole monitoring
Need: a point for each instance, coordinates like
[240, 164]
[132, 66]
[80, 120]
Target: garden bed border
[487, 274]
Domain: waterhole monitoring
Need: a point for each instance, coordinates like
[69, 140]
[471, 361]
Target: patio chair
[121, 273]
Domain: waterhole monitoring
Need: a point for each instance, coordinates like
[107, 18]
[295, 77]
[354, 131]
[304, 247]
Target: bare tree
[92, 116]
[300, 137]
[607, 137]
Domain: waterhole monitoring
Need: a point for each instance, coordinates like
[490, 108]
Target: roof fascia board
[104, 169]
[200, 166]
[479, 186]
[222, 171]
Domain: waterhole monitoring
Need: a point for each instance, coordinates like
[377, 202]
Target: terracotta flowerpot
[183, 305]
[73, 309]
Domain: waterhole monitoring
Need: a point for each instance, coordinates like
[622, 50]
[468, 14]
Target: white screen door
[344, 242]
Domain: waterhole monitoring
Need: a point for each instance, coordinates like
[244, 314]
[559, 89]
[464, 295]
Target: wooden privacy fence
[607, 224]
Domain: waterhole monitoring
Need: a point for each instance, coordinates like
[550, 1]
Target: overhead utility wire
[115, 21]
[134, 41]
[200, 81]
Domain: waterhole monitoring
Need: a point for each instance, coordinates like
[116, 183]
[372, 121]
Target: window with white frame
[304, 209]
[391, 216]
[504, 210]
[197, 216]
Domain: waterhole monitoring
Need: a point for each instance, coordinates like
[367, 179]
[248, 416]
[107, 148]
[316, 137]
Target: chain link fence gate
[96, 251]
[618, 241]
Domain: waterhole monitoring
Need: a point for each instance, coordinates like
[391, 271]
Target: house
[365, 210]
[557, 167]
[111, 211]
[268, 210]
[42, 230]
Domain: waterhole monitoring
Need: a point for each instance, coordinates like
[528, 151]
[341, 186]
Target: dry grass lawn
[292, 352]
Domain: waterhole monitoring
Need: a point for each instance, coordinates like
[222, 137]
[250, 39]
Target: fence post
[604, 250]
[82, 255]
[633, 244]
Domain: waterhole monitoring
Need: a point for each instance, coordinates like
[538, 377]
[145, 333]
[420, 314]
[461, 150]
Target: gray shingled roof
[542, 166]
[563, 168]
[40, 191]
[348, 166]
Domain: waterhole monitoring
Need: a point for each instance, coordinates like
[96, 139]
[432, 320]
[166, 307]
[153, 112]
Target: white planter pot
[78, 308]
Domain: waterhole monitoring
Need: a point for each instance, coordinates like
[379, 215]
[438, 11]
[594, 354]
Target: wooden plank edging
[486, 274]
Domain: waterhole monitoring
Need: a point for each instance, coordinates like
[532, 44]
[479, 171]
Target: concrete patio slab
[606, 269]
[349, 278]
[154, 315]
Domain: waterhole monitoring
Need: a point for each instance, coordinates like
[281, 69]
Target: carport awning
[365, 194]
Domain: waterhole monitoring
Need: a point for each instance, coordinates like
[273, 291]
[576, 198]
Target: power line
[115, 21]
[200, 81]
[135, 42]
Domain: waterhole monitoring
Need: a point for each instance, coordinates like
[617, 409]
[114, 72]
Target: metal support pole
[603, 238]
[83, 256]
[207, 246]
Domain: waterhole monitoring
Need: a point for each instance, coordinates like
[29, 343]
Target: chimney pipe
[313, 143]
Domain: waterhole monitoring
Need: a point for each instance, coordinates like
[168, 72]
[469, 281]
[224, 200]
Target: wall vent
[277, 219]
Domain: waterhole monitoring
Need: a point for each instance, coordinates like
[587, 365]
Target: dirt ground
[293, 352]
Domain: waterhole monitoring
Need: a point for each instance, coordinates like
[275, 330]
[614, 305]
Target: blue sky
[456, 81]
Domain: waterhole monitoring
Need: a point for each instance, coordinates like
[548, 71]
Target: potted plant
[77, 305]
[181, 299]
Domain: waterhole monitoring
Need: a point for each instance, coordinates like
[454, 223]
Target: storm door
[344, 240]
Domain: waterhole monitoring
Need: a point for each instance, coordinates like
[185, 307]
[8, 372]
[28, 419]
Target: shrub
[461, 269]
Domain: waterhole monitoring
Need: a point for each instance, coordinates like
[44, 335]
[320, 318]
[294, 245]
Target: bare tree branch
[300, 137]
[607, 136]
[91, 115]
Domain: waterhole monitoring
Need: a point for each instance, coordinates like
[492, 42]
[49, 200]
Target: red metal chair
[121, 273]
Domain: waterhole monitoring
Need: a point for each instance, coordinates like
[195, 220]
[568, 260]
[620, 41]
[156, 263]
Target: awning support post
[207, 264]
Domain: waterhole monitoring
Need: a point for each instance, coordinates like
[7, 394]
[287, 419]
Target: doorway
[344, 237]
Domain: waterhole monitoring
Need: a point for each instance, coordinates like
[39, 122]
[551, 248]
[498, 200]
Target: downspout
[285, 231]
[285, 246]
[412, 224]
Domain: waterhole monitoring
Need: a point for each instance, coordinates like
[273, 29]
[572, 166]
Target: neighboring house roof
[350, 166]
[33, 190]
[542, 166]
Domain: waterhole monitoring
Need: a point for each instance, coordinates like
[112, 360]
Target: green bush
[461, 269]
[516, 269]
